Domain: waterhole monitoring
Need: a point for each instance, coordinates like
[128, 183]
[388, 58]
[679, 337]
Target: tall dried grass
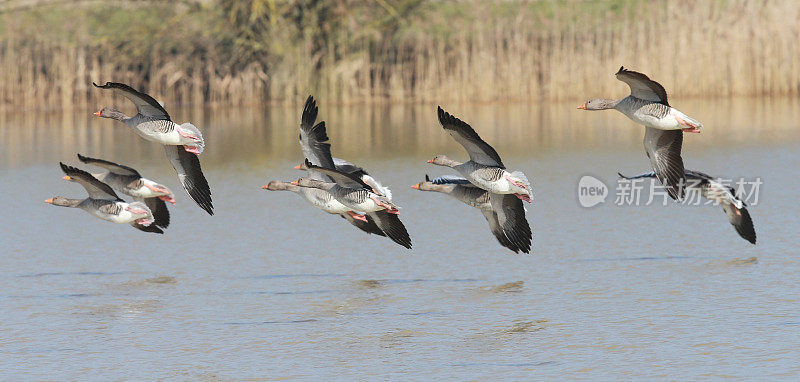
[451, 51]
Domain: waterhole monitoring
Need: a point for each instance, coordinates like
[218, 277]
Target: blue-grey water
[270, 288]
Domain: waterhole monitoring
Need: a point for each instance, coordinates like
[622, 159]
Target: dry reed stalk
[714, 48]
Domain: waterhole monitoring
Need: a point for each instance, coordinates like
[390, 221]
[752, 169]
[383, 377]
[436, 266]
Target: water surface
[271, 288]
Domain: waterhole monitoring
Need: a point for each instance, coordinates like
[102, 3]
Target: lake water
[270, 288]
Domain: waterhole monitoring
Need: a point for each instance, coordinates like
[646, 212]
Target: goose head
[276, 185]
[309, 183]
[598, 104]
[62, 201]
[442, 160]
[426, 185]
[110, 112]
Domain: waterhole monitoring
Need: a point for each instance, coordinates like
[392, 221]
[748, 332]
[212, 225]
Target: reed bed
[434, 51]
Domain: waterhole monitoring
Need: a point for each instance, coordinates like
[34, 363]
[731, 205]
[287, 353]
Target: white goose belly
[324, 200]
[123, 217]
[638, 115]
[151, 132]
[350, 199]
[499, 186]
[667, 123]
[141, 192]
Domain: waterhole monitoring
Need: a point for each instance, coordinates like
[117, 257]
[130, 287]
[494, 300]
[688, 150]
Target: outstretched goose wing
[110, 166]
[643, 87]
[391, 225]
[663, 147]
[650, 174]
[369, 226]
[341, 178]
[450, 179]
[314, 138]
[511, 216]
[150, 228]
[479, 151]
[159, 210]
[741, 221]
[95, 188]
[187, 165]
[497, 230]
[145, 104]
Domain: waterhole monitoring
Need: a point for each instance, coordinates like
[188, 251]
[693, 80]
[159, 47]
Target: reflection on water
[256, 135]
[270, 287]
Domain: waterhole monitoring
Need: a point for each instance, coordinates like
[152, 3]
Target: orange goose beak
[430, 160]
[49, 200]
[66, 177]
[299, 167]
[416, 186]
[296, 183]
[266, 187]
[97, 113]
[582, 107]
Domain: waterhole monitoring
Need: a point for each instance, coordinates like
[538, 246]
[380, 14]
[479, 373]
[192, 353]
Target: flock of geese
[339, 187]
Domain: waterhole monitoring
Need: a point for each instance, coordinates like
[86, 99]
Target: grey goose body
[351, 191]
[485, 169]
[128, 181]
[316, 148]
[323, 200]
[505, 213]
[648, 106]
[182, 143]
[315, 145]
[104, 203]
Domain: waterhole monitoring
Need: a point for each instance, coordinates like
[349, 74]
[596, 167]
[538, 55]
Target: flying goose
[104, 203]
[664, 126]
[128, 181]
[153, 123]
[485, 169]
[711, 189]
[324, 200]
[314, 145]
[316, 148]
[352, 192]
[504, 212]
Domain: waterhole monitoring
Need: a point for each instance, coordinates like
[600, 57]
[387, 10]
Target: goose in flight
[351, 191]
[713, 190]
[182, 143]
[485, 169]
[128, 181]
[324, 200]
[504, 212]
[664, 125]
[104, 203]
[315, 145]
